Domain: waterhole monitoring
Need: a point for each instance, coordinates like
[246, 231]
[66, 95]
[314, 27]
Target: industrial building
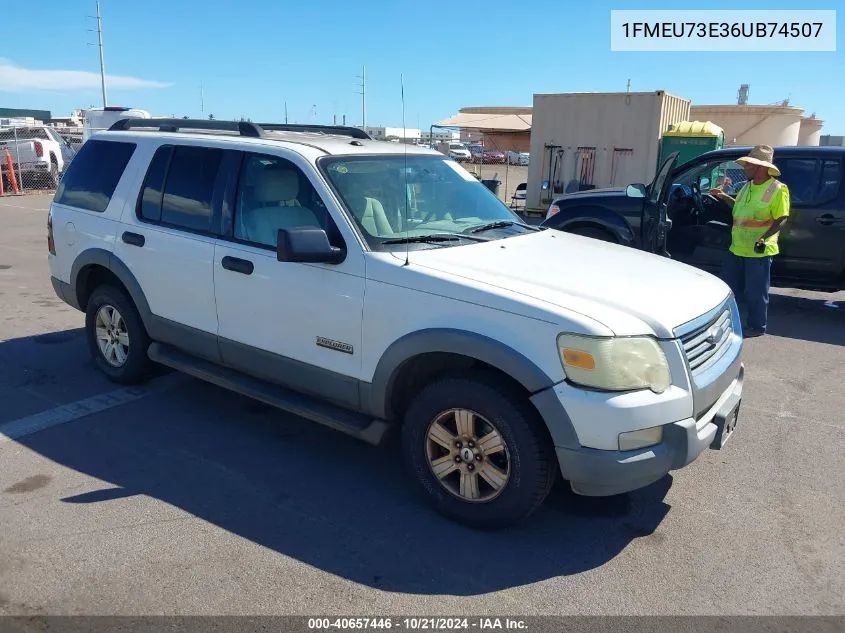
[408, 134]
[832, 141]
[504, 128]
[761, 124]
[590, 140]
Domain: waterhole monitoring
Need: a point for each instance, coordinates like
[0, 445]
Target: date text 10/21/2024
[418, 624]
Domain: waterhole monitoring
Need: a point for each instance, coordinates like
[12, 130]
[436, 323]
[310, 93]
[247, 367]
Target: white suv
[374, 286]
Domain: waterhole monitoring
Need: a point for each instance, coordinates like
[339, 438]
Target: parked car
[493, 157]
[455, 151]
[39, 154]
[375, 287]
[517, 158]
[674, 215]
[475, 151]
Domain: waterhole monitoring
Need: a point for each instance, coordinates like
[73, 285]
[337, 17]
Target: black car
[676, 217]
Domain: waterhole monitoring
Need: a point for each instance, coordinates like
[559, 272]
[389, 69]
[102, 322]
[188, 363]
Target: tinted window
[829, 185]
[189, 187]
[149, 204]
[801, 175]
[91, 178]
[273, 193]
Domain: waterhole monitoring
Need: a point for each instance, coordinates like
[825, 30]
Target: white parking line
[62, 414]
[69, 412]
[17, 206]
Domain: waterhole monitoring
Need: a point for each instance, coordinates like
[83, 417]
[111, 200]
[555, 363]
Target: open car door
[655, 222]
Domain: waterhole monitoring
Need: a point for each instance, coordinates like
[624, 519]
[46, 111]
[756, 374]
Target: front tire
[477, 452]
[117, 338]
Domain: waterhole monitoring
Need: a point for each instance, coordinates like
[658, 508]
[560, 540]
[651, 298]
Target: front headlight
[614, 364]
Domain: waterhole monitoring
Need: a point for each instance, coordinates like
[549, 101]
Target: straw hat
[761, 155]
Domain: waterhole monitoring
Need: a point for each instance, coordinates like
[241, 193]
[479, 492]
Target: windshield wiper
[431, 237]
[499, 224]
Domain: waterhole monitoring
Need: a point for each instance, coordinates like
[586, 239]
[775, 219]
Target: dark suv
[676, 217]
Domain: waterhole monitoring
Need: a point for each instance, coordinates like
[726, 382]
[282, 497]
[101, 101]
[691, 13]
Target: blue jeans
[750, 277]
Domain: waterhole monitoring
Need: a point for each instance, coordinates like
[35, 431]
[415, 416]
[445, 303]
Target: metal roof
[489, 121]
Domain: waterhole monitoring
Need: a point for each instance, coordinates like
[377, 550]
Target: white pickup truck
[39, 154]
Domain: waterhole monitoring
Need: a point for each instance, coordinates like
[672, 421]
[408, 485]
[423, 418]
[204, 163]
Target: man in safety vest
[759, 212]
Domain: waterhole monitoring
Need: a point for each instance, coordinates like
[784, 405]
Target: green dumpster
[690, 139]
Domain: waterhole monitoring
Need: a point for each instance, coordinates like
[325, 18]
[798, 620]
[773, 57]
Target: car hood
[629, 291]
[581, 196]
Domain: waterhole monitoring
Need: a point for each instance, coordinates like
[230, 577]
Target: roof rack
[243, 128]
[340, 130]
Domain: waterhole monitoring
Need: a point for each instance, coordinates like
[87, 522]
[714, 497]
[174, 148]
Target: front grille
[705, 345]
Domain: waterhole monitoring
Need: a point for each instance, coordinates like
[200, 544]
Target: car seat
[274, 206]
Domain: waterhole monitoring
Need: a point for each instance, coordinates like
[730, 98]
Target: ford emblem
[715, 334]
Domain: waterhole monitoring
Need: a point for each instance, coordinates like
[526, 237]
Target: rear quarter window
[92, 176]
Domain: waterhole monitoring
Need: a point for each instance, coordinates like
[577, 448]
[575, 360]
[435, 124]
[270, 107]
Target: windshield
[394, 197]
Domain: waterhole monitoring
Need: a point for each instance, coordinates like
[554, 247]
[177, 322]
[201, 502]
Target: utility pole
[286, 112]
[102, 64]
[202, 101]
[363, 94]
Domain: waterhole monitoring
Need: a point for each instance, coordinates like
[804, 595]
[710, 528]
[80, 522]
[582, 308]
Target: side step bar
[371, 431]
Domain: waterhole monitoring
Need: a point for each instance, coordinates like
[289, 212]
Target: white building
[440, 136]
[407, 134]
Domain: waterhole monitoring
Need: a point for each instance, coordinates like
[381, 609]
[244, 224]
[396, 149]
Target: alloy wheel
[468, 455]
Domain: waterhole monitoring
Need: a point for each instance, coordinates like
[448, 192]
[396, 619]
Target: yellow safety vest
[754, 212]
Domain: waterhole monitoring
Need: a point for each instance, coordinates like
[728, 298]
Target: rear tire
[117, 338]
[506, 447]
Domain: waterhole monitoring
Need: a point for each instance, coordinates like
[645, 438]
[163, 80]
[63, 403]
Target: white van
[97, 119]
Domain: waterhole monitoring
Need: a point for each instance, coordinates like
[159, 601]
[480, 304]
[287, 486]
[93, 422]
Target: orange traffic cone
[12, 179]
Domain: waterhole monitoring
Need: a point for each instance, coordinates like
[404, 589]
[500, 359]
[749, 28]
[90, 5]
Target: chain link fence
[503, 170]
[33, 158]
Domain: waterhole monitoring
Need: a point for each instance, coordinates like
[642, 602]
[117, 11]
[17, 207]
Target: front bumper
[594, 472]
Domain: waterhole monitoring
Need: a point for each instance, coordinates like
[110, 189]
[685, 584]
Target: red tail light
[51, 245]
[39, 149]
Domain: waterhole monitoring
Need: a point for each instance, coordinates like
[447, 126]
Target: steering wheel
[698, 198]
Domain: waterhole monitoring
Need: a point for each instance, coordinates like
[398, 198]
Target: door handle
[133, 238]
[243, 266]
[827, 219]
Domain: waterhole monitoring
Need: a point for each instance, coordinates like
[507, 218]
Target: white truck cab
[375, 287]
[99, 119]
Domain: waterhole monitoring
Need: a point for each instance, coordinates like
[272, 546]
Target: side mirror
[636, 191]
[307, 244]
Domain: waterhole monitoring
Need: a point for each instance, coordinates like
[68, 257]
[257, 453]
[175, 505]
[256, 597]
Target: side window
[801, 175]
[179, 186]
[91, 178]
[829, 184]
[274, 194]
[149, 204]
[728, 175]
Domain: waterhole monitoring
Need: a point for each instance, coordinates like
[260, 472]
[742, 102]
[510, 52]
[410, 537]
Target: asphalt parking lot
[183, 498]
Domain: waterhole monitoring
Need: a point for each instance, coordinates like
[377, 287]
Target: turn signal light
[577, 358]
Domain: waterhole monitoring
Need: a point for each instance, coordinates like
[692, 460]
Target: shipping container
[583, 141]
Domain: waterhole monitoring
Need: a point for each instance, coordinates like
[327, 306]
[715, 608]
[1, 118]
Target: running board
[368, 429]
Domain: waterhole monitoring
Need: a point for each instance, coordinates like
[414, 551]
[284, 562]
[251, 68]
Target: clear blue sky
[252, 55]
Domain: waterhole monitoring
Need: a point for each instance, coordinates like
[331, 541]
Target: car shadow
[808, 319]
[315, 495]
